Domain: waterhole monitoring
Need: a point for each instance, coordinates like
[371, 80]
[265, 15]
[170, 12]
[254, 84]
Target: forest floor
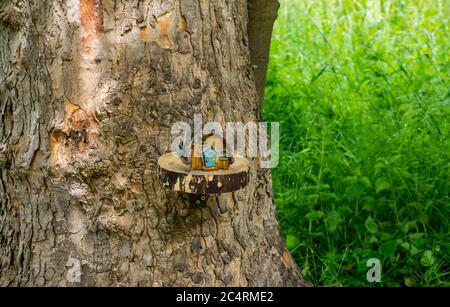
[361, 89]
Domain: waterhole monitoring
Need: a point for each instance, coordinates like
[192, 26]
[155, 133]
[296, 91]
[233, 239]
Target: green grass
[364, 106]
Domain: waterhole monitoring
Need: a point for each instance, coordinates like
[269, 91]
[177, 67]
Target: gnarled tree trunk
[88, 89]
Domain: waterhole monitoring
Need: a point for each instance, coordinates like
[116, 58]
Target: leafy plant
[364, 106]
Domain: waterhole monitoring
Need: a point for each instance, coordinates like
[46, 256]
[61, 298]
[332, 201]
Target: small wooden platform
[173, 174]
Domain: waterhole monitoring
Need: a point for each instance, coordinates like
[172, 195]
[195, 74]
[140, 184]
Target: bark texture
[262, 15]
[88, 92]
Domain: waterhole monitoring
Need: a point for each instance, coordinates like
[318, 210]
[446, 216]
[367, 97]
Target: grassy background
[363, 99]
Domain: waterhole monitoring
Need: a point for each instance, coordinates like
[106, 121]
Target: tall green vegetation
[361, 89]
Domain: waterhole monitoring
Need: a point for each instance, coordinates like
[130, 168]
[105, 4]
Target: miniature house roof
[210, 151]
[215, 141]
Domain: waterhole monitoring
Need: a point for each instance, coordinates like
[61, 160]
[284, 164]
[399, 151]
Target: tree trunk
[262, 15]
[89, 90]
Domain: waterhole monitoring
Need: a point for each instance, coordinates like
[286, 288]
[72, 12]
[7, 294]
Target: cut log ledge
[175, 175]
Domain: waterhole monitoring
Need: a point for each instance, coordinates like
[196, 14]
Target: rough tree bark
[88, 89]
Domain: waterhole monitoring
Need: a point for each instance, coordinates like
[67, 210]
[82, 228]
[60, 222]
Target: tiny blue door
[209, 155]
